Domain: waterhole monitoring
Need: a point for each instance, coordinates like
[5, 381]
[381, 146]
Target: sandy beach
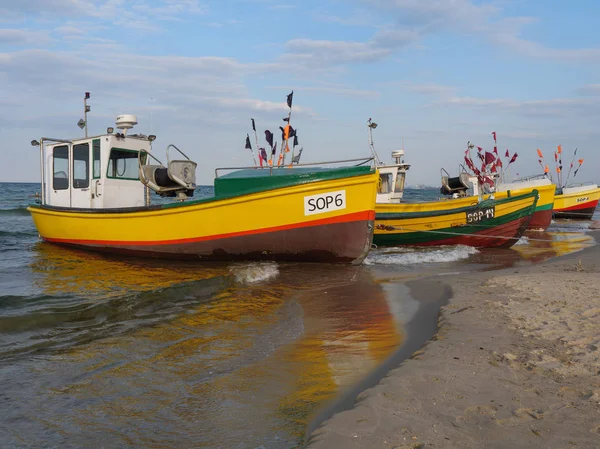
[515, 364]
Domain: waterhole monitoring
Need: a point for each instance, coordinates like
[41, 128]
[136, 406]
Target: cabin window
[399, 188]
[60, 164]
[123, 164]
[96, 158]
[385, 183]
[81, 165]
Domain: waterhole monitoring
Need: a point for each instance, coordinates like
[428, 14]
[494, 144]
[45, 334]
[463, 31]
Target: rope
[570, 213]
[468, 235]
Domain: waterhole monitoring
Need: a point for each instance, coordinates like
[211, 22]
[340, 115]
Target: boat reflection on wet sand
[535, 247]
[179, 356]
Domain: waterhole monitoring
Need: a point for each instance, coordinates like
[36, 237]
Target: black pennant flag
[286, 119]
[295, 139]
[282, 133]
[248, 145]
[274, 149]
[292, 132]
[290, 97]
[296, 159]
[253, 125]
[269, 137]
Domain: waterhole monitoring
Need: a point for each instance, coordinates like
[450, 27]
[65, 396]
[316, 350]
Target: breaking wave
[413, 256]
[523, 241]
[16, 211]
[254, 272]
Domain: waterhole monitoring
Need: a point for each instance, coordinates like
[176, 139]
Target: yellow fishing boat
[96, 195]
[472, 221]
[482, 221]
[467, 184]
[577, 201]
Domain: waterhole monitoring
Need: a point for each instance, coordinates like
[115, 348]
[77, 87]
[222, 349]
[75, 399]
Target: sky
[433, 74]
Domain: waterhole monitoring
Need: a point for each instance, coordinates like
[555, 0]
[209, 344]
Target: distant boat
[576, 202]
[96, 196]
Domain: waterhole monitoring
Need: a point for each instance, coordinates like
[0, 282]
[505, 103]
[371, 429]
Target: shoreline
[515, 362]
[419, 330]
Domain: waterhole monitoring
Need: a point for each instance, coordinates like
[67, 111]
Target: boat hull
[542, 217]
[579, 205]
[447, 222]
[268, 225]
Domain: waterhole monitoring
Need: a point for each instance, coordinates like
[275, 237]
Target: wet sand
[515, 363]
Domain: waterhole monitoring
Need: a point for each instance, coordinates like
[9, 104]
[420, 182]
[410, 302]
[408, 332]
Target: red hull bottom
[347, 242]
[502, 236]
[540, 220]
[577, 214]
[583, 211]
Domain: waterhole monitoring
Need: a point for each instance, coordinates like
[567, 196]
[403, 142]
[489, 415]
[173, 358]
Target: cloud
[589, 90]
[557, 107]
[484, 19]
[438, 13]
[69, 8]
[318, 52]
[206, 87]
[430, 89]
[141, 14]
[326, 52]
[21, 37]
[446, 96]
[332, 90]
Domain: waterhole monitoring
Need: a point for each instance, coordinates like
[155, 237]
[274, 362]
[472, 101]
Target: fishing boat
[97, 195]
[492, 179]
[467, 184]
[472, 221]
[576, 201]
[478, 221]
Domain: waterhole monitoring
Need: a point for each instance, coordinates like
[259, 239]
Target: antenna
[82, 123]
[372, 125]
[151, 111]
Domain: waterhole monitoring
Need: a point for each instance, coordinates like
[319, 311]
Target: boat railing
[530, 178]
[270, 169]
[580, 184]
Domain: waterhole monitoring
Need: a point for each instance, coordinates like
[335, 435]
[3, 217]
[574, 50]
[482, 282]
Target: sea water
[101, 351]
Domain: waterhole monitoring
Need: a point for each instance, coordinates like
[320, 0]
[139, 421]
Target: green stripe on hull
[544, 207]
[420, 237]
[243, 182]
[450, 211]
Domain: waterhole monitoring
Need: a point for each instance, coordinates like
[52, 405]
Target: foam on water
[413, 256]
[523, 241]
[254, 272]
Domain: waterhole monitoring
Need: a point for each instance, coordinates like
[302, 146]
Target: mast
[372, 125]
